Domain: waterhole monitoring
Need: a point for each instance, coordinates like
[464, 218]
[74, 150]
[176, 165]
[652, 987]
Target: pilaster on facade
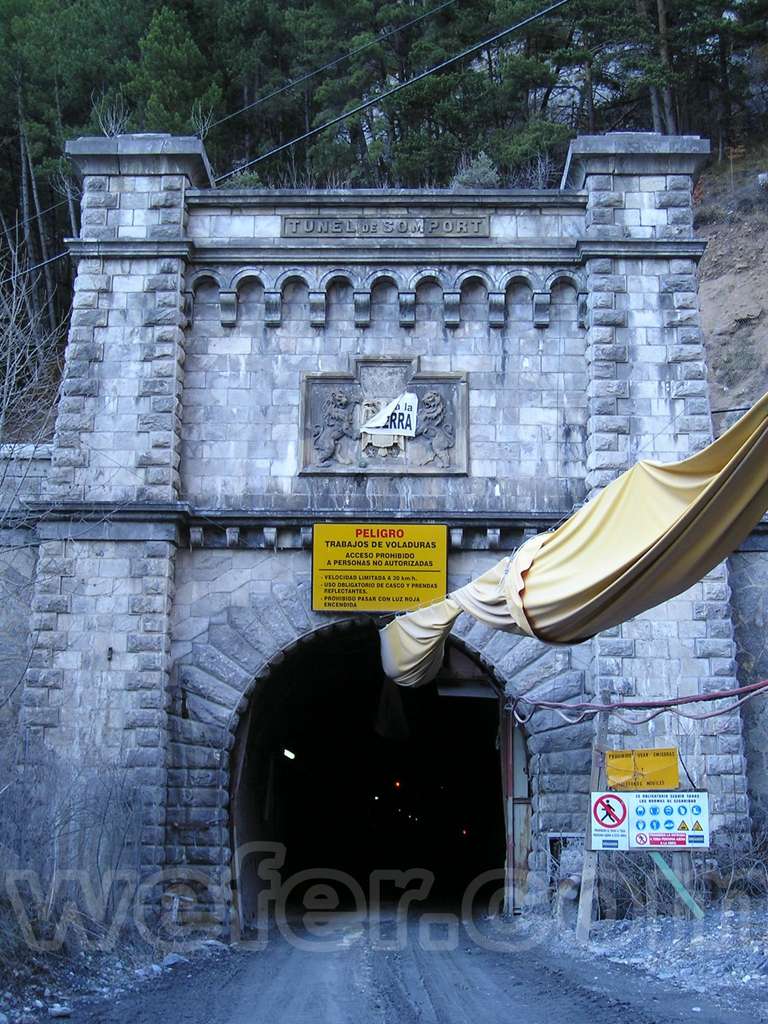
[647, 374]
[648, 399]
[118, 430]
[98, 678]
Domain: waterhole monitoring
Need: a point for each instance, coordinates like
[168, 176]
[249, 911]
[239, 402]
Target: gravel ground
[494, 973]
[730, 946]
[29, 991]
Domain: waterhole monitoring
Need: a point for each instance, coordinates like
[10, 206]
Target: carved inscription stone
[336, 406]
[437, 226]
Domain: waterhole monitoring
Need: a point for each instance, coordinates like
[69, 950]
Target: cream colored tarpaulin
[646, 537]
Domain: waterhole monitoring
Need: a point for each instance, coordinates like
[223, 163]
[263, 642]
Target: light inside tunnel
[385, 780]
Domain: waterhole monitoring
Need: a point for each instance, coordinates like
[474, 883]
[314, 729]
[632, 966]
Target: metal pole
[507, 727]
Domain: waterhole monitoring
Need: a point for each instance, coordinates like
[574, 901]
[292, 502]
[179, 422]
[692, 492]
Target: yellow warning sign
[644, 768]
[366, 567]
[683, 827]
[697, 826]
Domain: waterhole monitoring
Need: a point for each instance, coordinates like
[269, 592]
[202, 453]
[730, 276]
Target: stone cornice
[142, 154]
[277, 251]
[275, 200]
[563, 251]
[185, 514]
[122, 248]
[186, 526]
[632, 153]
[403, 251]
[670, 248]
[27, 451]
[193, 528]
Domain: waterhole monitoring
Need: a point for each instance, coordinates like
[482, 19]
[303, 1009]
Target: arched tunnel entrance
[345, 771]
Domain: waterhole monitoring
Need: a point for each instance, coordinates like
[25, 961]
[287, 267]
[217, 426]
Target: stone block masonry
[749, 580]
[117, 436]
[559, 339]
[97, 685]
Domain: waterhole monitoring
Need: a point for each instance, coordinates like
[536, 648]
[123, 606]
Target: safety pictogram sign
[609, 821]
[672, 820]
[609, 810]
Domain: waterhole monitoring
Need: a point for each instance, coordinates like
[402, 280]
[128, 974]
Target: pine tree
[592, 66]
[170, 77]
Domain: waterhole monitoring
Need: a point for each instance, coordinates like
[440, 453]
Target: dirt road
[343, 978]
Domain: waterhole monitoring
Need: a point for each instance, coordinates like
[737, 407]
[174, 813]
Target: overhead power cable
[36, 266]
[36, 216]
[655, 706]
[396, 89]
[334, 63]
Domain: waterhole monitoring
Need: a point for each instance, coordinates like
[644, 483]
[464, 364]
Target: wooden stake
[589, 866]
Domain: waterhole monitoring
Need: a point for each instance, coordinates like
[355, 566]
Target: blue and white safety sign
[676, 820]
[650, 820]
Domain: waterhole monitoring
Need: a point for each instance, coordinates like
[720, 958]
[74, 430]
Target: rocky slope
[732, 216]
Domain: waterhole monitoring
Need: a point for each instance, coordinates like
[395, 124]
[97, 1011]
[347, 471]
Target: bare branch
[201, 119]
[111, 112]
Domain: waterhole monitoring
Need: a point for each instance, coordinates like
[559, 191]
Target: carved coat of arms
[385, 418]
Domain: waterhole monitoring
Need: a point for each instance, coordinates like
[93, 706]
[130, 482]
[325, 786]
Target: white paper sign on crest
[397, 417]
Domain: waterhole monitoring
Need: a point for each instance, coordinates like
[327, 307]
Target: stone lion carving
[432, 429]
[336, 424]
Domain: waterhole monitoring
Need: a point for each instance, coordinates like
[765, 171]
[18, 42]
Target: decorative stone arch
[568, 276]
[473, 275]
[532, 280]
[575, 281]
[295, 274]
[427, 275]
[323, 303]
[197, 280]
[460, 305]
[250, 274]
[385, 274]
[336, 275]
[197, 276]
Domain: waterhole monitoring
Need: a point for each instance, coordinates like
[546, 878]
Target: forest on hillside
[245, 76]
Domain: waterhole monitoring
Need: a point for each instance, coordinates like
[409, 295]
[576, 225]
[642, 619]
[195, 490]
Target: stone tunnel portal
[341, 770]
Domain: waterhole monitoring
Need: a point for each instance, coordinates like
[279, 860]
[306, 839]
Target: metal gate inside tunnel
[336, 772]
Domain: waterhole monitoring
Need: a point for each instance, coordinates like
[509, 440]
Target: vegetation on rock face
[732, 216]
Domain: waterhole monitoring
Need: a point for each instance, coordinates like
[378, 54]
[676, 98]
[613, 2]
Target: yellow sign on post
[367, 567]
[646, 768]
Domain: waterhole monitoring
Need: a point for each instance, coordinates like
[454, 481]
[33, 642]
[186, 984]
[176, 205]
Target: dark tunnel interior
[354, 774]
